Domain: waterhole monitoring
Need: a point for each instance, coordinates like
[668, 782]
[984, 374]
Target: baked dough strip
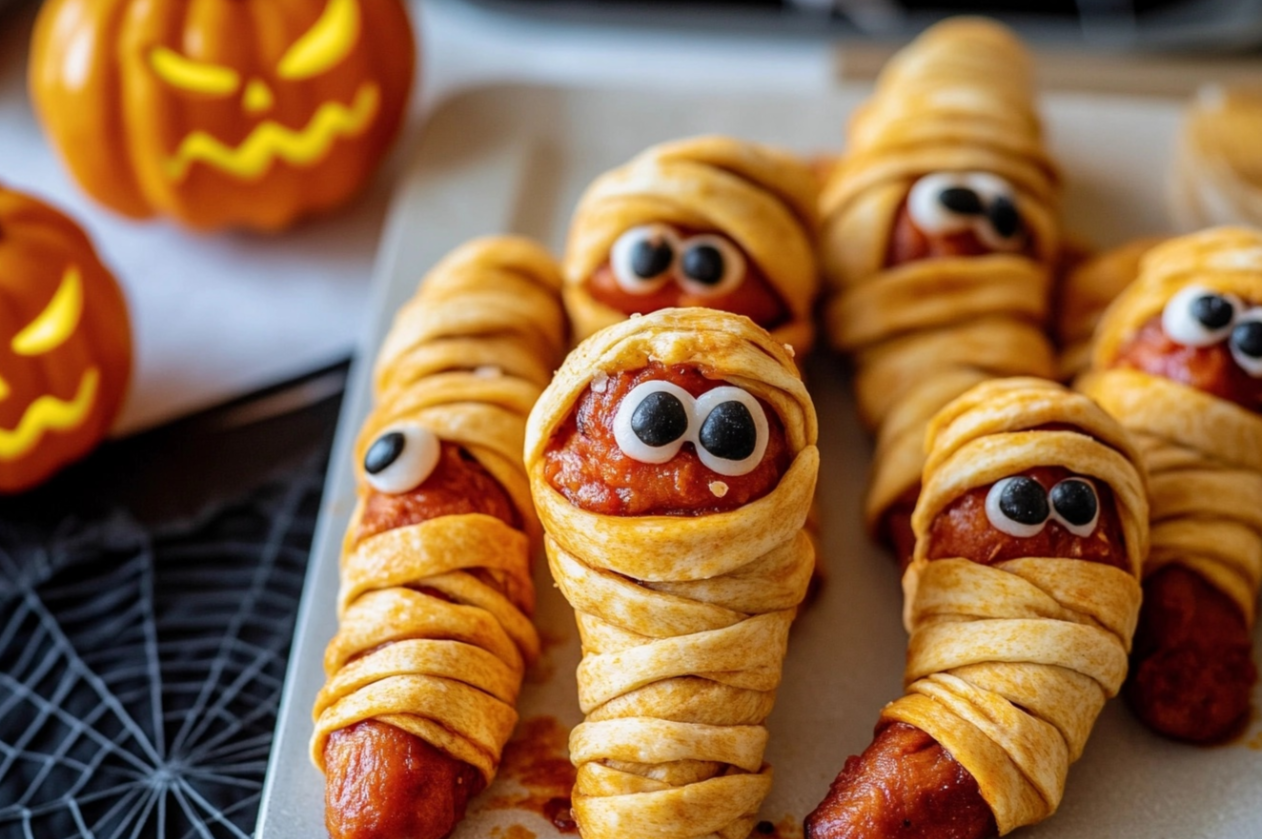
[762, 198]
[1203, 453]
[1009, 664]
[466, 358]
[960, 98]
[684, 620]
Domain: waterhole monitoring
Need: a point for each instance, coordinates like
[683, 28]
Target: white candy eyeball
[1000, 226]
[1076, 505]
[401, 458]
[1246, 342]
[642, 258]
[1018, 506]
[1198, 317]
[653, 421]
[710, 265]
[944, 202]
[732, 435]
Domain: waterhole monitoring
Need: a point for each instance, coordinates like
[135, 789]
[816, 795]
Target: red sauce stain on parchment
[787, 828]
[513, 831]
[537, 759]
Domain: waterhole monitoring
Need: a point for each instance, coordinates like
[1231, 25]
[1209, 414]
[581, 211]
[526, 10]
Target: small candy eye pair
[727, 426]
[646, 258]
[1198, 317]
[1019, 506]
[953, 202]
[401, 458]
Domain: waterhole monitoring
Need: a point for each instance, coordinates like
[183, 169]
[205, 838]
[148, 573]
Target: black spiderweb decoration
[140, 672]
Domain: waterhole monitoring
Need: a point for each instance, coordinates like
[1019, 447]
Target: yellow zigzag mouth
[270, 140]
[48, 413]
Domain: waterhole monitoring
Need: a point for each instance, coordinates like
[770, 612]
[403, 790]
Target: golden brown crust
[1204, 453]
[684, 619]
[1216, 178]
[762, 198]
[434, 617]
[959, 99]
[1009, 664]
[1084, 294]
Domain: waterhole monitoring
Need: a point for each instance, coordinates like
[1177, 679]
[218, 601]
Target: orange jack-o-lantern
[65, 343]
[222, 113]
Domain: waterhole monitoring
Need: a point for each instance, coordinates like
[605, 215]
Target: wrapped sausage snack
[672, 462]
[434, 629]
[1178, 360]
[707, 221]
[938, 240]
[1021, 601]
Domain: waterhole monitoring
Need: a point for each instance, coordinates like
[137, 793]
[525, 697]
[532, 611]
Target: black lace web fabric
[141, 665]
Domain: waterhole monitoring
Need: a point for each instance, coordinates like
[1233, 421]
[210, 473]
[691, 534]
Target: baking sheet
[516, 159]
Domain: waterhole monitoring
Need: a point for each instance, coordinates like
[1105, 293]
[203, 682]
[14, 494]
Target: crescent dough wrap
[1204, 454]
[762, 198]
[1008, 665]
[449, 672]
[959, 98]
[684, 620]
[1086, 292]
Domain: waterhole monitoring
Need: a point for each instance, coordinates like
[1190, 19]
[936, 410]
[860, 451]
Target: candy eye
[733, 435]
[944, 202]
[642, 257]
[653, 421]
[401, 458]
[1198, 317]
[1075, 505]
[1002, 228]
[710, 265]
[1246, 342]
[1018, 506]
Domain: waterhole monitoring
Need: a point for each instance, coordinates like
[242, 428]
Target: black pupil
[383, 451]
[1004, 217]
[962, 200]
[1248, 338]
[729, 432]
[704, 263]
[1075, 501]
[659, 419]
[1024, 501]
[1212, 311]
[651, 257]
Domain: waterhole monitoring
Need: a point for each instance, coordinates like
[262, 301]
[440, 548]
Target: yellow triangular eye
[195, 76]
[326, 43]
[58, 320]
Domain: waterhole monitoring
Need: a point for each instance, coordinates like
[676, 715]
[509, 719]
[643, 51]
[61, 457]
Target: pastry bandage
[466, 359]
[1085, 293]
[1009, 664]
[761, 198]
[1203, 453]
[959, 99]
[684, 620]
[1215, 178]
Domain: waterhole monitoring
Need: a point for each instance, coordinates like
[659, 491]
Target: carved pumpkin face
[65, 343]
[226, 112]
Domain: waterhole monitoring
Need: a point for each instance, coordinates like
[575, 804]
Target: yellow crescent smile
[270, 140]
[48, 413]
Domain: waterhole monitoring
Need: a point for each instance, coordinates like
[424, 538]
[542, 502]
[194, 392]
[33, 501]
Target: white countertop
[216, 316]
